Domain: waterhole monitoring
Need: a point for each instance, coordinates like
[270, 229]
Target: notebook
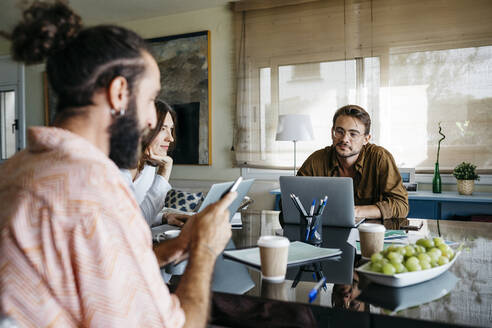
[299, 253]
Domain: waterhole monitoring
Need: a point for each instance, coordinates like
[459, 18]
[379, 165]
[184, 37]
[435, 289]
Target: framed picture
[184, 63]
[50, 101]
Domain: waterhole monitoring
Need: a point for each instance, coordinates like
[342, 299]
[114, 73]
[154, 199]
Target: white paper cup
[371, 238]
[274, 251]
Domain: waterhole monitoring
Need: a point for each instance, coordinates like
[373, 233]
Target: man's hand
[211, 227]
[210, 233]
[176, 219]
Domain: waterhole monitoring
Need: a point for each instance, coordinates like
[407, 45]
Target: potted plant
[466, 176]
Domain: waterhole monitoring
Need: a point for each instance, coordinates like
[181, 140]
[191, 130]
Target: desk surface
[468, 303]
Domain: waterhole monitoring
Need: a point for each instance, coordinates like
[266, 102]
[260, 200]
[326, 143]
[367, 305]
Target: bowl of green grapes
[405, 265]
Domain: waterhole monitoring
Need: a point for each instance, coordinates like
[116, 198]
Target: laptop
[213, 195]
[339, 210]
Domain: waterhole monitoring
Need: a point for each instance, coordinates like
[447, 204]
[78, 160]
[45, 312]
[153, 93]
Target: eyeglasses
[339, 133]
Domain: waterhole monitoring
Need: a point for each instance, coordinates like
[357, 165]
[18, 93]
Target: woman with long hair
[150, 179]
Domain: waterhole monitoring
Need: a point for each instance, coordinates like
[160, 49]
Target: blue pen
[311, 211]
[314, 292]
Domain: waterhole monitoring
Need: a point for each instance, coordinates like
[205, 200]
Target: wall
[220, 23]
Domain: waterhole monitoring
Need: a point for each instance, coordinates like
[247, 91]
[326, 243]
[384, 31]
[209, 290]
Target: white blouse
[150, 190]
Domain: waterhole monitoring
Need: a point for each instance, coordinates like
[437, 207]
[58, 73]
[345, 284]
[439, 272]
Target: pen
[314, 292]
[300, 205]
[319, 206]
[311, 210]
[324, 205]
[295, 203]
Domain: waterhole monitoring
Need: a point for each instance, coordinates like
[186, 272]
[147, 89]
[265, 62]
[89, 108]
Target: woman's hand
[176, 219]
[164, 163]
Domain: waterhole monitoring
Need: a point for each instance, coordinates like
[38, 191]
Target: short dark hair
[356, 112]
[79, 61]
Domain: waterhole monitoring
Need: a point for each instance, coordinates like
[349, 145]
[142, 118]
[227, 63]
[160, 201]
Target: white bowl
[406, 278]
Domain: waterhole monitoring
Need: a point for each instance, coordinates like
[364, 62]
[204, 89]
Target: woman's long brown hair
[162, 109]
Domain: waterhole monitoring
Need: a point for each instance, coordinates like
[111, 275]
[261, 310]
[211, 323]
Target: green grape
[436, 250]
[389, 269]
[384, 261]
[425, 265]
[427, 243]
[434, 264]
[443, 247]
[423, 257]
[443, 260]
[420, 249]
[399, 267]
[449, 253]
[433, 256]
[395, 257]
[402, 250]
[411, 261]
[409, 250]
[438, 241]
[377, 267]
[392, 248]
[376, 257]
[414, 267]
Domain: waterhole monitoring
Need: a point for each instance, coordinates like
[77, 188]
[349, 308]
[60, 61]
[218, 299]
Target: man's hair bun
[45, 28]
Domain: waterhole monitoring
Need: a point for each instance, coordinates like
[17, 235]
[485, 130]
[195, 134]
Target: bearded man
[378, 188]
[75, 249]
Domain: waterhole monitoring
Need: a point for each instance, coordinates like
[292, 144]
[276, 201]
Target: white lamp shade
[294, 127]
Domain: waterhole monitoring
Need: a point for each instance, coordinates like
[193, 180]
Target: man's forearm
[367, 211]
[168, 251]
[194, 287]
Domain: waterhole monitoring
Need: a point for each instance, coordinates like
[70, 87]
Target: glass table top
[462, 295]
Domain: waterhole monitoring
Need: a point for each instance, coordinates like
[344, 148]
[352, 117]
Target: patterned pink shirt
[75, 250]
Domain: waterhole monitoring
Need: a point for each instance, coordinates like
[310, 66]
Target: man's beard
[351, 154]
[125, 138]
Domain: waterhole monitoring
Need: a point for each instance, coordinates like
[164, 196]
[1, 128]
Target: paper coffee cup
[274, 251]
[371, 238]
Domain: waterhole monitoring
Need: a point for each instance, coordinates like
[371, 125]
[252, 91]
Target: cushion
[183, 200]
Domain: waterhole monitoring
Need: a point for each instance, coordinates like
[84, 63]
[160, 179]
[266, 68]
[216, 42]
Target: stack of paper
[299, 253]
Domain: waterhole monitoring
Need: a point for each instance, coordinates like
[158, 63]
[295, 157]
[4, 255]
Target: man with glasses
[378, 188]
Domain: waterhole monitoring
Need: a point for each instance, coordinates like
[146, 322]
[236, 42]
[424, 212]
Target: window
[412, 65]
[317, 89]
[8, 123]
[453, 87]
[12, 125]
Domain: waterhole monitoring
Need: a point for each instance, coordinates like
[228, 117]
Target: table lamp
[294, 127]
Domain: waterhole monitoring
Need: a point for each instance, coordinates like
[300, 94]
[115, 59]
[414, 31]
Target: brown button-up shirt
[377, 180]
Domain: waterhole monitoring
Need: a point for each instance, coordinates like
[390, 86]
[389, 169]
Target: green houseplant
[465, 175]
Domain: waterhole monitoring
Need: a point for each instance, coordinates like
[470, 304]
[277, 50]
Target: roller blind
[411, 64]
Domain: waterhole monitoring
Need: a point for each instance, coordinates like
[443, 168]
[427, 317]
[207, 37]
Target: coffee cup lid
[273, 241]
[372, 227]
